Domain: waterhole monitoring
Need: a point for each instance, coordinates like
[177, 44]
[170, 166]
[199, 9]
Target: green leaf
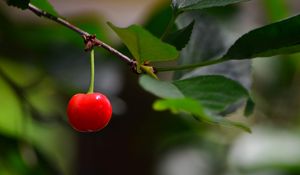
[22, 4]
[275, 39]
[181, 105]
[180, 38]
[44, 5]
[184, 5]
[224, 122]
[206, 41]
[214, 92]
[158, 21]
[143, 45]
[11, 111]
[200, 97]
[159, 88]
[194, 108]
[16, 120]
[250, 105]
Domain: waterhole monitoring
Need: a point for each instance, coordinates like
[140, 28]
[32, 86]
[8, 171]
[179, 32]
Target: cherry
[89, 112]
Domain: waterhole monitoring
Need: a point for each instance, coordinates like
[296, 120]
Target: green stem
[92, 80]
[190, 66]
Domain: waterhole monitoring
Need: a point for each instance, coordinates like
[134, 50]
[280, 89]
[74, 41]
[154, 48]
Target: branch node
[133, 67]
[90, 42]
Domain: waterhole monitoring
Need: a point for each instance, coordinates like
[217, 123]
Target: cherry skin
[89, 112]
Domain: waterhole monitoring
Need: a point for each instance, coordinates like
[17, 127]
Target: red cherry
[89, 112]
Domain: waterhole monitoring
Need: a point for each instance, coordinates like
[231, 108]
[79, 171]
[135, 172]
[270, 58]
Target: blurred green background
[42, 64]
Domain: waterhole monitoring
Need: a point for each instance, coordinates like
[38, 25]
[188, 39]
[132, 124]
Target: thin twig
[91, 41]
[84, 34]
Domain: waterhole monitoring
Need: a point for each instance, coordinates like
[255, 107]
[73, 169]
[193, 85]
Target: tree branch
[90, 40]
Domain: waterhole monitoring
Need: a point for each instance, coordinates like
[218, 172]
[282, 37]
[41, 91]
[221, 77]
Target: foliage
[203, 96]
[274, 39]
[180, 38]
[214, 93]
[143, 46]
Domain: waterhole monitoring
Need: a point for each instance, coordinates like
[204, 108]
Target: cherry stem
[92, 80]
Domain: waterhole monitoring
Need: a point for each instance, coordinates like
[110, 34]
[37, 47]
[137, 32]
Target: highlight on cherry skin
[89, 112]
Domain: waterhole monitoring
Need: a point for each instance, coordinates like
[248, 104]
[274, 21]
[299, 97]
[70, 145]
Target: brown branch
[90, 40]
